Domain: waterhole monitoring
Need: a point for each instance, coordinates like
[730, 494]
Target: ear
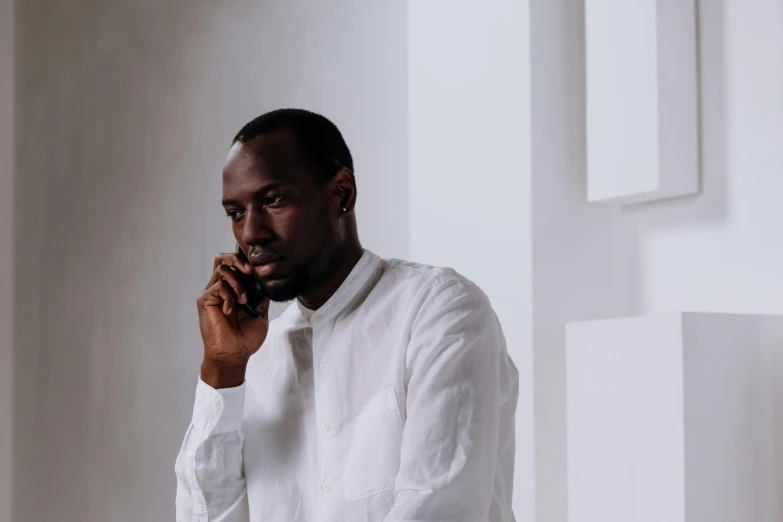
[344, 185]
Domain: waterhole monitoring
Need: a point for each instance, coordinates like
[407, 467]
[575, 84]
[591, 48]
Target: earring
[345, 209]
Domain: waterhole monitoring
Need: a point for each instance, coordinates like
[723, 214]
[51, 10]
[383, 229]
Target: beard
[291, 287]
[304, 275]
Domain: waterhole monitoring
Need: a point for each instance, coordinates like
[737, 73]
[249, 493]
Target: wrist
[220, 375]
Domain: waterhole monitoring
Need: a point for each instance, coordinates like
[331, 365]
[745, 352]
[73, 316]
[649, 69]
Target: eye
[235, 215]
[273, 201]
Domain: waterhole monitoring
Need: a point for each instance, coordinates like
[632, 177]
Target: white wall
[676, 417]
[6, 251]
[470, 182]
[720, 251]
[125, 113]
[572, 241]
[723, 251]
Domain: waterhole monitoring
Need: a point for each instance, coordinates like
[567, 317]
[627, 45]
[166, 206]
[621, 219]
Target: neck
[342, 264]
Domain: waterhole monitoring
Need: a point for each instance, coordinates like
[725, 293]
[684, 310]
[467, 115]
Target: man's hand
[230, 335]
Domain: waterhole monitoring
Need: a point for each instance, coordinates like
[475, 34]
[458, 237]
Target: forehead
[266, 159]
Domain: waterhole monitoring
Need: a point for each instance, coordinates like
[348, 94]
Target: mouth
[266, 269]
[264, 265]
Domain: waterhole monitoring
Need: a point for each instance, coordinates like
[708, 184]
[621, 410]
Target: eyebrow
[260, 192]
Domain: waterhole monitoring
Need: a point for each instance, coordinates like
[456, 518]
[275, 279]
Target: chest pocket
[374, 458]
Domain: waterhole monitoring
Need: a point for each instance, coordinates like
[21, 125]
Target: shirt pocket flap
[374, 455]
[383, 404]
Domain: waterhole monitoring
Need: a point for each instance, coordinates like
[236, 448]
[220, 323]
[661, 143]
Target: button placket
[327, 424]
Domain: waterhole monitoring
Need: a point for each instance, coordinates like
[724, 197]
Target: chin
[288, 285]
[280, 291]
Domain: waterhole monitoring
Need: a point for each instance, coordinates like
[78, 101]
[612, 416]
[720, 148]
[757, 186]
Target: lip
[262, 258]
[266, 269]
[264, 263]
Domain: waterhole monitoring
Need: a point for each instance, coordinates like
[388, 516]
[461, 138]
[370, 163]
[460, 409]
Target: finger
[262, 309]
[232, 260]
[231, 277]
[242, 258]
[228, 296]
[245, 319]
[220, 295]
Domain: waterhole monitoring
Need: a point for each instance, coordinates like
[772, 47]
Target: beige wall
[125, 112]
[6, 250]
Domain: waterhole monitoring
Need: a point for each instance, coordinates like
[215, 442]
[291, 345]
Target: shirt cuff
[218, 411]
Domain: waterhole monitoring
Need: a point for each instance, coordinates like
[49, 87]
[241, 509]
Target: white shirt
[394, 401]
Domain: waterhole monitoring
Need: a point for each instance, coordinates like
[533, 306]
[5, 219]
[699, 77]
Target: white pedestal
[642, 108]
[676, 418]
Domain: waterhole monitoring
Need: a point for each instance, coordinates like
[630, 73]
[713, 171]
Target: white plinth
[642, 108]
[676, 418]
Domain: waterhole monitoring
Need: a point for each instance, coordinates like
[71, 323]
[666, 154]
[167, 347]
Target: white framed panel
[642, 100]
[675, 417]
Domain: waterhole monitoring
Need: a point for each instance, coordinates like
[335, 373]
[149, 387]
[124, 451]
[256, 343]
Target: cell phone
[253, 288]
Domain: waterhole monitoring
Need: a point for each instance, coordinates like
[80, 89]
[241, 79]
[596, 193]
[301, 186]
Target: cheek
[305, 234]
[237, 230]
[322, 238]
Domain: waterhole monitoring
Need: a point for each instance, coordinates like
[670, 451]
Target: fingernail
[243, 298]
[229, 309]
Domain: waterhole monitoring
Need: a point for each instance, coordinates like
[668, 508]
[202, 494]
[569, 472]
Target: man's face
[279, 213]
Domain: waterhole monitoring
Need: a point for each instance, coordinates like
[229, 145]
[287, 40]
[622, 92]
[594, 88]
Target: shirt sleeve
[460, 378]
[210, 477]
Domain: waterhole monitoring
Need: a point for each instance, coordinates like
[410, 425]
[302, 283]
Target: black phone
[253, 288]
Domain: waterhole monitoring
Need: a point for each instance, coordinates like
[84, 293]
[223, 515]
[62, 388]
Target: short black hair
[319, 139]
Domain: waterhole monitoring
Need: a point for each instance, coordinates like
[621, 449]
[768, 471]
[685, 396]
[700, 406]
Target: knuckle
[228, 291]
[231, 278]
[225, 272]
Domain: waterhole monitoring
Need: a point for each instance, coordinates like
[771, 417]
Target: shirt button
[322, 363]
[326, 488]
[327, 426]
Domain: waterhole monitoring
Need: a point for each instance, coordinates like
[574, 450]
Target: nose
[257, 228]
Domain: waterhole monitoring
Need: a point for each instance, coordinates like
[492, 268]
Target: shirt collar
[361, 275]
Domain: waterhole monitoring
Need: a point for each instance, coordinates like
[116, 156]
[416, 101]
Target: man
[383, 393]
